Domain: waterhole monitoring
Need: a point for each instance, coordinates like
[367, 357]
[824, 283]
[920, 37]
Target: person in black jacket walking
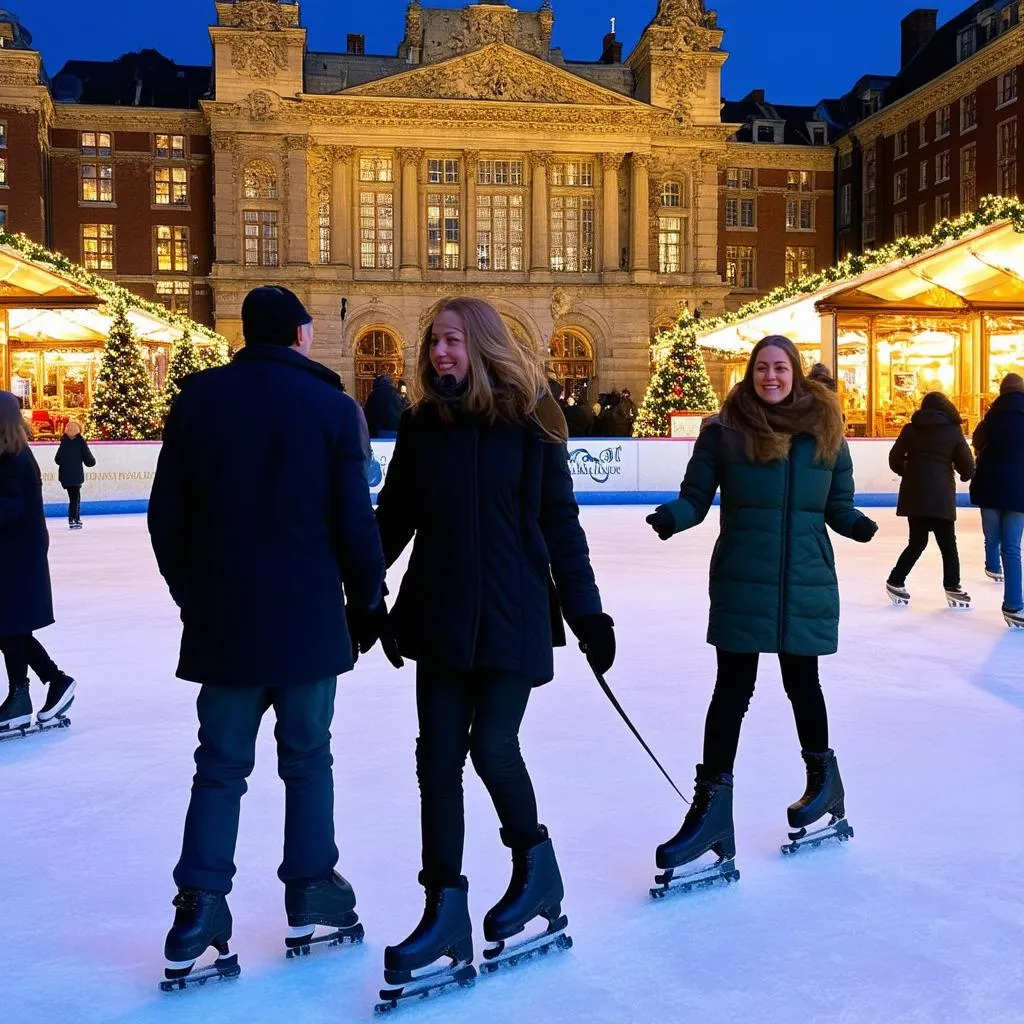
[480, 478]
[383, 407]
[26, 604]
[998, 488]
[262, 588]
[72, 457]
[929, 448]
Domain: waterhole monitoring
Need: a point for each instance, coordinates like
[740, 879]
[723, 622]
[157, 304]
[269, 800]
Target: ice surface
[919, 918]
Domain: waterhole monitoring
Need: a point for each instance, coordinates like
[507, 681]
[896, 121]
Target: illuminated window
[800, 215]
[376, 168]
[261, 242]
[499, 172]
[443, 172]
[94, 143]
[171, 184]
[98, 246]
[671, 194]
[169, 147]
[323, 214]
[739, 266]
[172, 249]
[799, 262]
[572, 233]
[670, 245]
[739, 177]
[97, 182]
[444, 234]
[376, 230]
[499, 231]
[800, 181]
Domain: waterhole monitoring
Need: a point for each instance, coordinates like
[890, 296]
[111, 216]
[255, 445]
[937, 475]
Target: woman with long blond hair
[480, 479]
[27, 604]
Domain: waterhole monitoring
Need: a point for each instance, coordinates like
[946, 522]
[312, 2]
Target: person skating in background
[998, 489]
[820, 372]
[262, 587]
[777, 453]
[579, 420]
[26, 600]
[72, 456]
[383, 407]
[927, 452]
[480, 483]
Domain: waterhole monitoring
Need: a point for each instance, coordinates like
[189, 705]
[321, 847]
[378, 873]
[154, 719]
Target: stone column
[411, 268]
[540, 255]
[341, 210]
[227, 179]
[296, 200]
[705, 218]
[469, 159]
[610, 212]
[639, 215]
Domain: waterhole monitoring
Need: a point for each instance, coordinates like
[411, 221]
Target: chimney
[356, 43]
[612, 52]
[755, 96]
[916, 31]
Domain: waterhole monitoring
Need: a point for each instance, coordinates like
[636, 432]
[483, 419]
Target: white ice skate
[1015, 620]
[958, 598]
[899, 596]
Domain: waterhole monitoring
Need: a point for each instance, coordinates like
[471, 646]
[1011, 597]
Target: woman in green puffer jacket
[777, 453]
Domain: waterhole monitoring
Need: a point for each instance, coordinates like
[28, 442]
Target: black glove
[863, 530]
[367, 627]
[662, 522]
[596, 635]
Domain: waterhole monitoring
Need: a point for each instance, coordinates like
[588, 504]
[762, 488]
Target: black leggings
[734, 687]
[476, 712]
[24, 652]
[74, 502]
[945, 537]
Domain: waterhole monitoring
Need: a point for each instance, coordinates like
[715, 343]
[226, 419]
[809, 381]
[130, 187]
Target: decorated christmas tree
[680, 382]
[184, 361]
[123, 405]
[214, 353]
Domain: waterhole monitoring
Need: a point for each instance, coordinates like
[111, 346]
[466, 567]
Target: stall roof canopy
[983, 269]
[24, 282]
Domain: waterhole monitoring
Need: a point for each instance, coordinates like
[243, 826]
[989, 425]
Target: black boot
[824, 793]
[201, 920]
[534, 890]
[444, 930]
[707, 825]
[328, 901]
[16, 710]
[59, 695]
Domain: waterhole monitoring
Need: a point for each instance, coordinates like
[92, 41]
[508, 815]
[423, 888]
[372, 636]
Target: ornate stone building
[581, 198]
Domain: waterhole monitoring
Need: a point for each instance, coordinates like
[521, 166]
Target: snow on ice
[919, 919]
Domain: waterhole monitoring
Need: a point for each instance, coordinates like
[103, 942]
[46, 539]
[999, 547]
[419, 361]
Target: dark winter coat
[579, 419]
[999, 443]
[494, 516]
[26, 601]
[925, 454]
[72, 457]
[773, 577]
[383, 407]
[260, 514]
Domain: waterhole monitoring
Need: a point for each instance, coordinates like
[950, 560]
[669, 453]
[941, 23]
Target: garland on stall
[105, 289]
[652, 420]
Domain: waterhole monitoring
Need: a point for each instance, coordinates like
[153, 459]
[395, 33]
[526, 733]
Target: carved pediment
[495, 72]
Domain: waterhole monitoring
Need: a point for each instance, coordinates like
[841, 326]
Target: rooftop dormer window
[764, 131]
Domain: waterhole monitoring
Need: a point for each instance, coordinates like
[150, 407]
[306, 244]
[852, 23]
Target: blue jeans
[229, 719]
[1002, 532]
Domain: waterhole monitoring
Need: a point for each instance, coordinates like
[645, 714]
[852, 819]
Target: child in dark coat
[72, 457]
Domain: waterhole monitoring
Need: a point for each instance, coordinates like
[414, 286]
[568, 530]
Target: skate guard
[60, 721]
[723, 870]
[178, 978]
[298, 941]
[501, 954]
[837, 828]
[433, 981]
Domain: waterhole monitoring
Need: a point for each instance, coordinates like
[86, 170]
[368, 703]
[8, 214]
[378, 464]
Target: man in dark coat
[383, 407]
[998, 488]
[929, 448]
[262, 526]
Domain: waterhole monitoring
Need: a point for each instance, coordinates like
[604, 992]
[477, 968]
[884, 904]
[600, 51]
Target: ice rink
[919, 919]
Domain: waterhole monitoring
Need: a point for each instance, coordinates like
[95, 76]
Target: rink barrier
[605, 471]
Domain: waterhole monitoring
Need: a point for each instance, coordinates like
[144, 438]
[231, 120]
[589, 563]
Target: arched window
[377, 351]
[259, 180]
[571, 362]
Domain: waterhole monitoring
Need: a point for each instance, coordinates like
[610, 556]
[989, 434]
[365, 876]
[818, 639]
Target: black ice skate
[899, 596]
[329, 902]
[1015, 620]
[824, 795]
[958, 598]
[535, 890]
[201, 920]
[706, 828]
[444, 930]
[16, 715]
[59, 695]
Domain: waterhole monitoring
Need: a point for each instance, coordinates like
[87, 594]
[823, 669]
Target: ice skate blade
[61, 710]
[995, 577]
[958, 604]
[301, 945]
[1013, 621]
[838, 829]
[723, 870]
[431, 984]
[222, 969]
[60, 722]
[501, 954]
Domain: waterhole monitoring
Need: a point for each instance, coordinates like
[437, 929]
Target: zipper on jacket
[476, 530]
[785, 544]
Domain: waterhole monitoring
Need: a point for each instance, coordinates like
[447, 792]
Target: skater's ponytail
[15, 433]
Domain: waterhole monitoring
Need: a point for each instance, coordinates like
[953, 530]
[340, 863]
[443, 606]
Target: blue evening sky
[799, 51]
